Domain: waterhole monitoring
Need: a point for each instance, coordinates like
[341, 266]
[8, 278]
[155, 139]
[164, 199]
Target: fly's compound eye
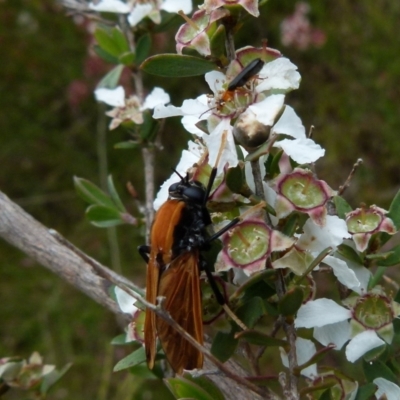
[175, 188]
[194, 193]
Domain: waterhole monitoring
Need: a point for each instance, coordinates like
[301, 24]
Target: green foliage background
[49, 132]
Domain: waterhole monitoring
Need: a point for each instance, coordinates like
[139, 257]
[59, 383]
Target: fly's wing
[152, 279]
[180, 285]
[167, 219]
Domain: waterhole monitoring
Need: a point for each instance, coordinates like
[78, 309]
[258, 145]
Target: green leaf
[261, 339]
[120, 40]
[274, 166]
[394, 210]
[235, 178]
[206, 384]
[127, 58]
[291, 301]
[342, 207]
[224, 345]
[113, 41]
[114, 194]
[110, 81]
[51, 378]
[105, 55]
[119, 340]
[104, 217]
[256, 286]
[378, 369]
[129, 144]
[135, 358]
[176, 66]
[366, 391]
[183, 388]
[251, 311]
[350, 254]
[91, 193]
[389, 258]
[291, 224]
[217, 42]
[143, 47]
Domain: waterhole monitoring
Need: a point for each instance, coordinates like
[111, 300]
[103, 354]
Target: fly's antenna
[180, 176]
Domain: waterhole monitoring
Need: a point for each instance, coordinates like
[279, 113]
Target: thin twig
[290, 382]
[350, 177]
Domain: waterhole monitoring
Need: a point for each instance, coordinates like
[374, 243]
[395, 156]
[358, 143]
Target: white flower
[331, 325]
[129, 109]
[114, 6]
[152, 10]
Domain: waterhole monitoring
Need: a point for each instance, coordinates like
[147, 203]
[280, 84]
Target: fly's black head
[189, 191]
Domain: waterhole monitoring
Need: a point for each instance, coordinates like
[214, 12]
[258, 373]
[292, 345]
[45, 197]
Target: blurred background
[51, 126]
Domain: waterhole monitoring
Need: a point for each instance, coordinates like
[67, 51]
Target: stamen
[188, 20]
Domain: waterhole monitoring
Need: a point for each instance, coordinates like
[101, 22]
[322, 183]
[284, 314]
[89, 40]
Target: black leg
[144, 251]
[218, 295]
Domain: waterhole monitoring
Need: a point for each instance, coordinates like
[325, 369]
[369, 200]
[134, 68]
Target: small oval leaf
[394, 210]
[143, 47]
[176, 66]
[224, 345]
[104, 217]
[291, 301]
[182, 388]
[135, 358]
[91, 193]
[114, 194]
[342, 207]
[110, 81]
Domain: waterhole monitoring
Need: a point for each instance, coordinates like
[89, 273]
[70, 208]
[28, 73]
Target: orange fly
[248, 72]
[173, 261]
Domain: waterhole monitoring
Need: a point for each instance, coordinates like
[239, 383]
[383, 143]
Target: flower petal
[173, 6]
[214, 141]
[320, 312]
[361, 344]
[156, 97]
[305, 349]
[139, 12]
[385, 387]
[345, 275]
[316, 238]
[278, 74]
[215, 80]
[266, 110]
[289, 124]
[113, 97]
[114, 6]
[337, 333]
[303, 150]
[125, 301]
[161, 111]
